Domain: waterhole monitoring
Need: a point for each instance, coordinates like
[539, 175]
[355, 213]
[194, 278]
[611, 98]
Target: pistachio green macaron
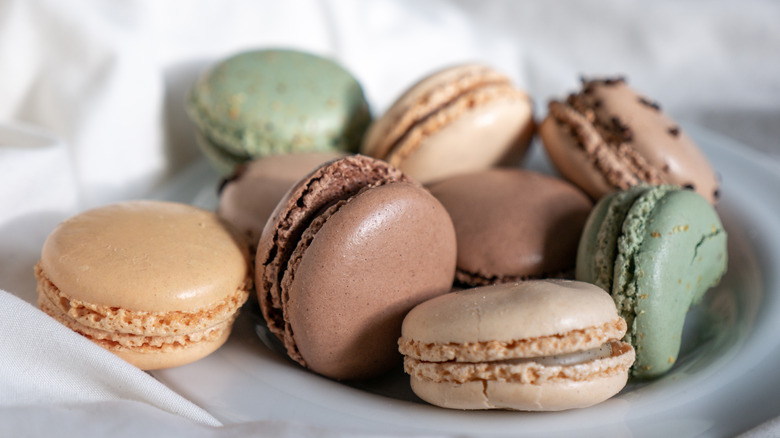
[657, 250]
[266, 102]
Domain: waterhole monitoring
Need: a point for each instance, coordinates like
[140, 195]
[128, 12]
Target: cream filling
[575, 358]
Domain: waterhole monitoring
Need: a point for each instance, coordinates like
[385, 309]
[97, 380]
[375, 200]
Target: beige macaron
[540, 345]
[157, 283]
[460, 119]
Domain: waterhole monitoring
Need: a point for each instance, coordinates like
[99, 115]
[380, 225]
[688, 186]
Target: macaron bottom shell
[550, 396]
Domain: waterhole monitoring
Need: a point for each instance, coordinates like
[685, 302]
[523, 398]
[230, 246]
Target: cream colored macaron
[542, 345]
[464, 118]
[157, 283]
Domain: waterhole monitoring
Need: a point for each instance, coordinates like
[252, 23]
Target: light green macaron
[266, 102]
[657, 250]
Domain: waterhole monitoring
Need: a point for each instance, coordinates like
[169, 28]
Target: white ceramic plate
[725, 381]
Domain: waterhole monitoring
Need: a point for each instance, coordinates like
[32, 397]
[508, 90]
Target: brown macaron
[157, 283]
[247, 198]
[608, 137]
[513, 224]
[346, 254]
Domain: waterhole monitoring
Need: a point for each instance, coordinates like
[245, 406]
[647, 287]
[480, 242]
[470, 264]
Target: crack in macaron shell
[668, 248]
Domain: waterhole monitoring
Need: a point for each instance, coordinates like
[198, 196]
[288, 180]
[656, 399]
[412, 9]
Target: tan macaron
[464, 118]
[157, 283]
[541, 345]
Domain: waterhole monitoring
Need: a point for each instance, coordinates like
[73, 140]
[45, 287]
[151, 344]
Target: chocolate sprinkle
[651, 103]
[716, 194]
[674, 130]
[689, 186]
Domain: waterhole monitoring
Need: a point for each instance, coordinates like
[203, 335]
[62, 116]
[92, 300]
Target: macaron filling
[610, 359]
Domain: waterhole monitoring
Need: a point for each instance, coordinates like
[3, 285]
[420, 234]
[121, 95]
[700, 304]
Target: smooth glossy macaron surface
[146, 256]
[509, 312]
[513, 224]
[376, 257]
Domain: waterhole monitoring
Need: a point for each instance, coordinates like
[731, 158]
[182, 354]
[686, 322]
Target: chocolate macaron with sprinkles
[609, 137]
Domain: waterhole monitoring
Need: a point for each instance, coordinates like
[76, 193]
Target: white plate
[725, 381]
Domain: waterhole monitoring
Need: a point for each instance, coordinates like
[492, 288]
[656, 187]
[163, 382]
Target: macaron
[608, 137]
[265, 102]
[250, 194]
[540, 345]
[657, 250]
[346, 254]
[457, 120]
[157, 283]
[513, 224]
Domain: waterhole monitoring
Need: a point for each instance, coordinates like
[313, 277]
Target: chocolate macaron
[608, 137]
[513, 224]
[347, 252]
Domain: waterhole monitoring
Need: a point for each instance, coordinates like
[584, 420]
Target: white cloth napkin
[91, 112]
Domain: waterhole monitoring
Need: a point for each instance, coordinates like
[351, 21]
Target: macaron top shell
[247, 199]
[270, 101]
[369, 261]
[146, 256]
[644, 144]
[522, 310]
[513, 224]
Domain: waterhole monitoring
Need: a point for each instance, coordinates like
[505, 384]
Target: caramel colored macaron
[460, 119]
[157, 283]
[513, 224]
[348, 251]
[608, 137]
[247, 198]
[543, 345]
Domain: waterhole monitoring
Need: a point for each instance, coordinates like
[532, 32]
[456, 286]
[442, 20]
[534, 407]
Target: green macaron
[266, 102]
[657, 250]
